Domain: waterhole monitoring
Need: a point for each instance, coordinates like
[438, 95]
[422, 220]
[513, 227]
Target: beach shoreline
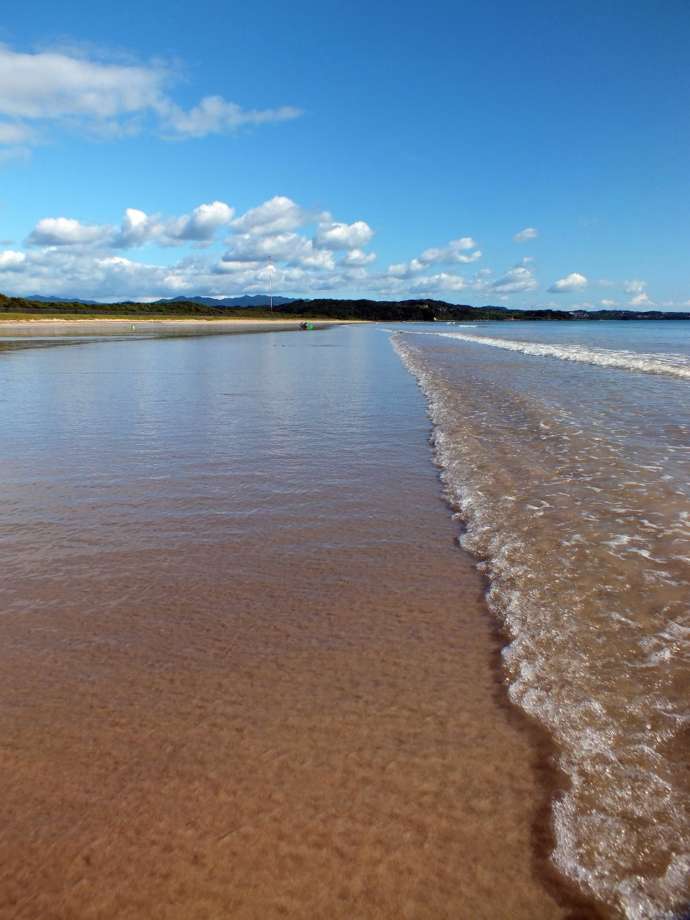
[123, 326]
[462, 420]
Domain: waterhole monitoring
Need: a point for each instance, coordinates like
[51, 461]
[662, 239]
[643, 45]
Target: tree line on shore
[390, 311]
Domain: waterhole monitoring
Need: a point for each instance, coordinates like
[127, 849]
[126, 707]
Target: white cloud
[608, 303]
[214, 115]
[278, 247]
[82, 272]
[642, 300]
[462, 250]
[277, 215]
[77, 92]
[51, 85]
[442, 281]
[307, 253]
[65, 231]
[529, 233]
[246, 247]
[137, 229]
[339, 236]
[358, 257]
[316, 258]
[638, 291]
[231, 266]
[402, 269]
[454, 251]
[11, 260]
[516, 281]
[572, 282]
[69, 257]
[202, 224]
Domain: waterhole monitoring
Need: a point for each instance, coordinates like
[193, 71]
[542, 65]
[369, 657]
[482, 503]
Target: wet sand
[245, 670]
[151, 325]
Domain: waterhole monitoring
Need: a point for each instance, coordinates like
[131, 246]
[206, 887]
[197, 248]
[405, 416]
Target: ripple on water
[581, 525]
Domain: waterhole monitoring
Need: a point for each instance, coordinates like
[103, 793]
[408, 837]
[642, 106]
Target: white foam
[667, 365]
[565, 647]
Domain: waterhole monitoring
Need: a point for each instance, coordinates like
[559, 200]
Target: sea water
[565, 450]
[244, 669]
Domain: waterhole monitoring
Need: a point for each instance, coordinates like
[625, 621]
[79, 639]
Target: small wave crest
[583, 546]
[669, 365]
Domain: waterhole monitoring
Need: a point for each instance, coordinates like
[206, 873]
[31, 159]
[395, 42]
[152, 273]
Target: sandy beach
[110, 326]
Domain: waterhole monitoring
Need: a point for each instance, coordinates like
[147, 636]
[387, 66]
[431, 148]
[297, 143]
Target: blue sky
[386, 149]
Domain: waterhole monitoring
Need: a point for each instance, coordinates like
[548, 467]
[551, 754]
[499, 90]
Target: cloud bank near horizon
[300, 251]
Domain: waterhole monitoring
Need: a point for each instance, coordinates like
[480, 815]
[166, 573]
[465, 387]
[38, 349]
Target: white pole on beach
[270, 286]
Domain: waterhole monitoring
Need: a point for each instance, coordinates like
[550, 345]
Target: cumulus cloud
[137, 229]
[11, 260]
[67, 89]
[306, 253]
[454, 251]
[529, 233]
[638, 291]
[572, 282]
[202, 224]
[278, 247]
[642, 300]
[358, 257]
[463, 250]
[339, 236]
[277, 215]
[69, 257]
[518, 280]
[52, 85]
[66, 231]
[442, 281]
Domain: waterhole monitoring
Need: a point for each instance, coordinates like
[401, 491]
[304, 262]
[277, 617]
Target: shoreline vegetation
[421, 310]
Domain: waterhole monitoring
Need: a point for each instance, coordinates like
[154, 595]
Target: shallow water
[244, 669]
[566, 449]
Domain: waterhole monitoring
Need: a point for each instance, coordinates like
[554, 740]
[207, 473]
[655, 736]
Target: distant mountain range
[245, 300]
[44, 299]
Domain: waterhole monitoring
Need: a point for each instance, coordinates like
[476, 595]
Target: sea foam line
[668, 365]
[581, 724]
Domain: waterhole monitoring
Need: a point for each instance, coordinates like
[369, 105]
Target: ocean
[246, 669]
[565, 452]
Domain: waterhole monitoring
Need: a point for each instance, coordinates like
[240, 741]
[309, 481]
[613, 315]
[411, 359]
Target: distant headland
[257, 306]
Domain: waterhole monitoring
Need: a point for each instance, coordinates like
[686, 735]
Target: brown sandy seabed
[237, 768]
[216, 731]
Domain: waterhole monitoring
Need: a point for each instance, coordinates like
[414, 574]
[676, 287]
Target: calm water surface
[244, 669]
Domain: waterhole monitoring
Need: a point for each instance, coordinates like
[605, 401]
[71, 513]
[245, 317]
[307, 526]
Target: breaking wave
[586, 545]
[668, 365]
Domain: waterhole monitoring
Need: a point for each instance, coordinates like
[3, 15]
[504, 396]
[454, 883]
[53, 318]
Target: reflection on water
[245, 670]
